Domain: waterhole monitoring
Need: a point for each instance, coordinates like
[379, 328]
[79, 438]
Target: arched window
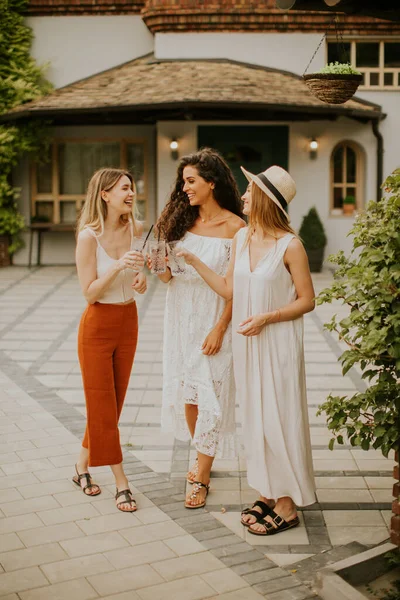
[347, 166]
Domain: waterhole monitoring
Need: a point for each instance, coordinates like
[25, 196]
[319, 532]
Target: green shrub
[20, 81]
[368, 282]
[349, 200]
[312, 232]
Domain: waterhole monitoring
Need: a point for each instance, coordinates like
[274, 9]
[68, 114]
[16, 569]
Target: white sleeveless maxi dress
[270, 379]
[192, 310]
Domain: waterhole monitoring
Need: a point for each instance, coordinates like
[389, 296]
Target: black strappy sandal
[89, 485]
[197, 485]
[266, 510]
[281, 525]
[129, 499]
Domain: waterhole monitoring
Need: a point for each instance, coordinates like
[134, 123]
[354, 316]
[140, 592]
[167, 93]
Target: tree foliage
[368, 282]
[21, 80]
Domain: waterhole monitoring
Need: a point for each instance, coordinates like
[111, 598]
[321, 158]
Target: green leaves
[339, 68]
[21, 80]
[368, 282]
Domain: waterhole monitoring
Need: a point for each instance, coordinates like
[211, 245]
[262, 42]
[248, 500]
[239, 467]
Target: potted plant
[349, 204]
[313, 236]
[335, 83]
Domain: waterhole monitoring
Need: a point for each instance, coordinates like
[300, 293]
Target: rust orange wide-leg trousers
[107, 341]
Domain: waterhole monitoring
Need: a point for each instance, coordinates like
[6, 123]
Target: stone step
[306, 569]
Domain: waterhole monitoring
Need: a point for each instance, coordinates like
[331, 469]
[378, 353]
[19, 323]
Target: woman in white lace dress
[198, 389]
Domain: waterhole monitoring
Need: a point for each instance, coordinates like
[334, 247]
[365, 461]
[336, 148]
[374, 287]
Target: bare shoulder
[295, 249]
[234, 223]
[86, 237]
[86, 242]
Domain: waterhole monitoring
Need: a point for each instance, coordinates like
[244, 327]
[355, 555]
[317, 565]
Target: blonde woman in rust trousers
[108, 330]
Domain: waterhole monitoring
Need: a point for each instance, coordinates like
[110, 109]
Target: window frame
[359, 182]
[381, 69]
[56, 198]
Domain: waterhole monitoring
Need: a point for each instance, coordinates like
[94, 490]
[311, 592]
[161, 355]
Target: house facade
[133, 77]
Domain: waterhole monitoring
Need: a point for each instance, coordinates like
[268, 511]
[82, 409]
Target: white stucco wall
[313, 176]
[389, 127]
[287, 51]
[77, 47]
[59, 248]
[185, 133]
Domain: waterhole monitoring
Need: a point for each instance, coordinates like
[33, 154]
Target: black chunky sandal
[281, 525]
[266, 510]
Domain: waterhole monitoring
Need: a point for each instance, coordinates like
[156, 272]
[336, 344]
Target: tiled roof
[146, 83]
[254, 15]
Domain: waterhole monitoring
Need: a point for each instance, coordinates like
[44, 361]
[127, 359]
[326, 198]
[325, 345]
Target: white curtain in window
[78, 161]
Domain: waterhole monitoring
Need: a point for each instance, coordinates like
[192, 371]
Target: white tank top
[121, 288]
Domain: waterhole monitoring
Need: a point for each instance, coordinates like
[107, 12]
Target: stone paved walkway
[56, 543]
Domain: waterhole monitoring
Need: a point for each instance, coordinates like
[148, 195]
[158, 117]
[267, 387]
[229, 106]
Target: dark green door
[255, 147]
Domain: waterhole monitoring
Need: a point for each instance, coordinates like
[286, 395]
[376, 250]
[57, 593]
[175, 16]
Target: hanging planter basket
[333, 88]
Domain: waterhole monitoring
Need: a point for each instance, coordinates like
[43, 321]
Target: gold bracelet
[279, 315]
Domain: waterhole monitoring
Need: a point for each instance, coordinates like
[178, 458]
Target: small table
[41, 228]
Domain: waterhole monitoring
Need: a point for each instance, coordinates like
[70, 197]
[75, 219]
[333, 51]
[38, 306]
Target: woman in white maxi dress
[272, 289]
[198, 383]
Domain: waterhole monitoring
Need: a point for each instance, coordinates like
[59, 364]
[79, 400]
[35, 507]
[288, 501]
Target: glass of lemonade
[158, 255]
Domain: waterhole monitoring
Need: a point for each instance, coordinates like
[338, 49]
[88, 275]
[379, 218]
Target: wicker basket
[332, 88]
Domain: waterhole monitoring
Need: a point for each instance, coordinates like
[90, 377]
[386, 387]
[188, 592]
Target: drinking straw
[147, 237]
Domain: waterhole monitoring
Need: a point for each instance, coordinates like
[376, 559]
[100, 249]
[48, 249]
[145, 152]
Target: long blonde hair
[265, 215]
[94, 211]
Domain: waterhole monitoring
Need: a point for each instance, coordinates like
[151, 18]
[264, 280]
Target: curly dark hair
[178, 216]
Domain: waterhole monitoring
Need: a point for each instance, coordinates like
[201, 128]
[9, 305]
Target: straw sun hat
[277, 184]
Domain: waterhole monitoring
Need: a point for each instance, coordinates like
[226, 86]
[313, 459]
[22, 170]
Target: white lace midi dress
[192, 311]
[270, 379]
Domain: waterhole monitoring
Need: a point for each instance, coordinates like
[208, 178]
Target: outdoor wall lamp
[174, 146]
[313, 148]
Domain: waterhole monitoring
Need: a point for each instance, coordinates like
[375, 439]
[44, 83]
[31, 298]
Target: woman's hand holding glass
[131, 260]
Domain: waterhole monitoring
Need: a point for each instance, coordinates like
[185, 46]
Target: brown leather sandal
[89, 485]
[197, 485]
[129, 499]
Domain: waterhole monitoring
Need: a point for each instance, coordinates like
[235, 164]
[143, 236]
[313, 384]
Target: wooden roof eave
[185, 110]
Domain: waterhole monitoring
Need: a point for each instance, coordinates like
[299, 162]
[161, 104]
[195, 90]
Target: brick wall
[84, 7]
